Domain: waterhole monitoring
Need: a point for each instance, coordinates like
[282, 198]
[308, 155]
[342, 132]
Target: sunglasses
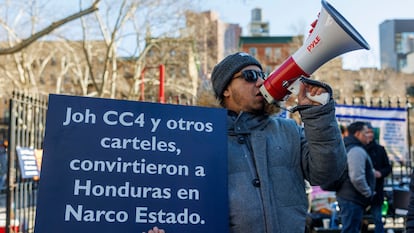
[251, 76]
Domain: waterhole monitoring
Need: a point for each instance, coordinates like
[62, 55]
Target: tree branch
[26, 42]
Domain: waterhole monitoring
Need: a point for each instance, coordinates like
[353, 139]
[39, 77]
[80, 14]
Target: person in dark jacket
[357, 190]
[383, 168]
[409, 224]
[269, 158]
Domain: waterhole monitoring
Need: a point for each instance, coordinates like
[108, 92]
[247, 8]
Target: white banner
[390, 125]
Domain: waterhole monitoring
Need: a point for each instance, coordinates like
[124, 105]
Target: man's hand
[312, 90]
[377, 174]
[156, 230]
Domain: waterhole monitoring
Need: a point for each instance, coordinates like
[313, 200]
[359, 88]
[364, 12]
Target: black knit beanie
[224, 71]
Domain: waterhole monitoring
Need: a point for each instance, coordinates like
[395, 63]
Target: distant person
[409, 223]
[357, 191]
[3, 165]
[383, 168]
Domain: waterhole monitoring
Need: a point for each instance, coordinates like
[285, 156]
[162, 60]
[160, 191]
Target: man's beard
[271, 109]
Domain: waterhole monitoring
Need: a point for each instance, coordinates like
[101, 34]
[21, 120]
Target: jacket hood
[351, 141]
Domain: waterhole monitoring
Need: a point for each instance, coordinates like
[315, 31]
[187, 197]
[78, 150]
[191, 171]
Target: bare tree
[87, 64]
[21, 44]
[125, 28]
[25, 62]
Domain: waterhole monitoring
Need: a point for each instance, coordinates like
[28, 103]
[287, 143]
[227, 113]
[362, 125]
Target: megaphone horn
[332, 36]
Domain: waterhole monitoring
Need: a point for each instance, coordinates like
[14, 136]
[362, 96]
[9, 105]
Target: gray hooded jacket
[269, 159]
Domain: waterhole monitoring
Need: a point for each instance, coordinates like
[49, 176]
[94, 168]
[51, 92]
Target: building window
[278, 52]
[402, 63]
[358, 88]
[337, 94]
[172, 72]
[183, 73]
[404, 42]
[410, 91]
[268, 53]
[253, 51]
[268, 69]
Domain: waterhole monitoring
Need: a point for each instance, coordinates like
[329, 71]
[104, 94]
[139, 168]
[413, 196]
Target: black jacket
[409, 225]
[382, 164]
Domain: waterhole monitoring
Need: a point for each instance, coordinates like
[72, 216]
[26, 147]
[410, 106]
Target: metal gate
[26, 129]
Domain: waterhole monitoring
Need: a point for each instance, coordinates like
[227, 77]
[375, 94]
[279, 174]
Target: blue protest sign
[125, 166]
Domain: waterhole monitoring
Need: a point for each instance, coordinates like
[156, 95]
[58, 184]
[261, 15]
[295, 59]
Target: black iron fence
[26, 129]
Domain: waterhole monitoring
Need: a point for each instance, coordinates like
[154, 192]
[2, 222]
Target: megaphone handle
[322, 98]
